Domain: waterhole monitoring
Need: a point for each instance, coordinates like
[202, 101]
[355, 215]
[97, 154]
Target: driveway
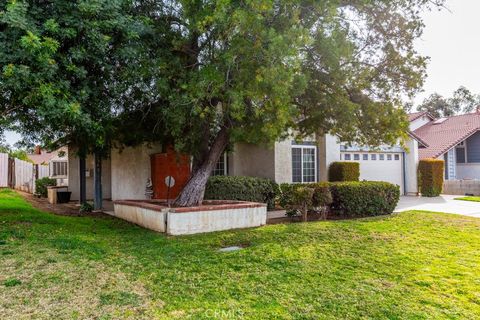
[444, 203]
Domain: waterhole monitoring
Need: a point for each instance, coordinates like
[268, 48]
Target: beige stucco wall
[130, 171]
[252, 160]
[74, 176]
[283, 161]
[328, 152]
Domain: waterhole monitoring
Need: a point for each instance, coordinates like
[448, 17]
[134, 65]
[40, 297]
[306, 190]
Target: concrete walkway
[444, 203]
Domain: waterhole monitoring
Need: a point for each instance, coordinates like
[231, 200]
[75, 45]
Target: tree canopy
[462, 101]
[201, 75]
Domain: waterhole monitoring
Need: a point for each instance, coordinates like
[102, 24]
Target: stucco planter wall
[461, 187]
[212, 216]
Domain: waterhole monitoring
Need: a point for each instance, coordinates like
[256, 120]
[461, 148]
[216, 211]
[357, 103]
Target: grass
[415, 265]
[473, 199]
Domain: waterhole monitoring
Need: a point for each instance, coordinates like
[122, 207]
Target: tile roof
[41, 158]
[414, 116]
[443, 136]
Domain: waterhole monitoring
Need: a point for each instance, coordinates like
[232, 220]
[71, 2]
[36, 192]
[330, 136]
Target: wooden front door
[169, 164]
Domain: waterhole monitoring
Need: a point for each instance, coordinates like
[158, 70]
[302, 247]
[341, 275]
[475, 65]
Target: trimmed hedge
[42, 184]
[242, 189]
[430, 175]
[344, 171]
[364, 199]
[348, 199]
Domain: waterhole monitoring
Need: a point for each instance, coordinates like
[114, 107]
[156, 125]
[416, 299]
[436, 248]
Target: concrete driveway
[444, 203]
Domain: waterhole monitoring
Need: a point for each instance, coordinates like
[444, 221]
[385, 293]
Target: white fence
[3, 170]
[24, 176]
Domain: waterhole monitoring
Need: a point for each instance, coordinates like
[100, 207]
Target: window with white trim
[365, 156]
[304, 164]
[59, 168]
[389, 157]
[348, 157]
[356, 157]
[397, 157]
[374, 157]
[382, 157]
[221, 168]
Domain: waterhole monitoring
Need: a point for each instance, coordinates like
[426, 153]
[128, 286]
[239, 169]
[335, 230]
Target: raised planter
[213, 215]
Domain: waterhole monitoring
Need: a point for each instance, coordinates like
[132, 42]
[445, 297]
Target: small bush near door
[430, 176]
[344, 171]
[42, 184]
[242, 189]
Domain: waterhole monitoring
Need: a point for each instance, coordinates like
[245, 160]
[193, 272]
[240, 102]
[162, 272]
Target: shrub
[430, 175]
[42, 184]
[294, 197]
[242, 189]
[86, 207]
[362, 199]
[344, 171]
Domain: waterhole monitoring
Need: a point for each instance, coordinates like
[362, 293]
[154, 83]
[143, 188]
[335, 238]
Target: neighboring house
[55, 163]
[454, 139]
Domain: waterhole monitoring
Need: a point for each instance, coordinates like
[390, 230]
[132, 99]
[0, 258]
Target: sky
[451, 40]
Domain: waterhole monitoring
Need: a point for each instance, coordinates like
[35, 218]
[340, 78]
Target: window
[348, 156]
[381, 157]
[460, 152]
[374, 157]
[59, 168]
[365, 156]
[356, 157]
[389, 157]
[304, 164]
[221, 167]
[397, 157]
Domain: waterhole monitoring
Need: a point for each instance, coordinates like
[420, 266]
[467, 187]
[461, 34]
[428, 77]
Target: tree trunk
[97, 175]
[193, 192]
[83, 179]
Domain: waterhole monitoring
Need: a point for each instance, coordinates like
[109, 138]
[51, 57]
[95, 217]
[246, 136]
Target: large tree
[63, 63]
[462, 101]
[250, 71]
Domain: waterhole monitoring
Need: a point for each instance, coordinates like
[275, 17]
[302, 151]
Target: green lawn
[416, 265]
[473, 199]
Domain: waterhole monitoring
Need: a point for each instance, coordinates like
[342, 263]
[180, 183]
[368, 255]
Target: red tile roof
[41, 158]
[414, 116]
[443, 136]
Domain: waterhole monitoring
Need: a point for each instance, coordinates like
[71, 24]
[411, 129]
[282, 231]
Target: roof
[415, 115]
[443, 136]
[419, 140]
[45, 157]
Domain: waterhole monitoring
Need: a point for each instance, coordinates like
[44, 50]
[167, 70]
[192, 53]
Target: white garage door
[378, 166]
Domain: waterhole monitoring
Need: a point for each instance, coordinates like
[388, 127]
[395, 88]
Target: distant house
[454, 139]
[55, 163]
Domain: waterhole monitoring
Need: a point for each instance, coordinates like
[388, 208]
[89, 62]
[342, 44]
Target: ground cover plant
[470, 198]
[414, 265]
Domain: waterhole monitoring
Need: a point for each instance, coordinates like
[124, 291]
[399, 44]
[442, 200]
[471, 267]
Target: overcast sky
[451, 40]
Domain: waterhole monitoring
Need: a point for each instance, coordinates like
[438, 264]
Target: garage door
[378, 166]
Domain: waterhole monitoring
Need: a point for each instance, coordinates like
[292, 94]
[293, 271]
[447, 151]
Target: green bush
[364, 199]
[86, 207]
[294, 196]
[344, 171]
[242, 189]
[42, 184]
[346, 199]
[430, 176]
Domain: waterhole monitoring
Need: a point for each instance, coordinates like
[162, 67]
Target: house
[454, 139]
[52, 164]
[126, 172]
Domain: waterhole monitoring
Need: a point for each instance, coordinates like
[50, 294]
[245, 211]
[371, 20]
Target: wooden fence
[19, 174]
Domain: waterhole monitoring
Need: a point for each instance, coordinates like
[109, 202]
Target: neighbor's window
[59, 168]
[221, 167]
[304, 164]
[365, 156]
[460, 151]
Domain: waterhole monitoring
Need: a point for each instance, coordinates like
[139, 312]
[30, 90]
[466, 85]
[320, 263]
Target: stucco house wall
[130, 170]
[252, 160]
[74, 177]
